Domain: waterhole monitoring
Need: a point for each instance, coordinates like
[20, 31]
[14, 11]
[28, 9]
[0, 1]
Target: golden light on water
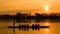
[47, 24]
[46, 30]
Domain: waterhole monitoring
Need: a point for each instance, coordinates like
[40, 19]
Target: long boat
[28, 26]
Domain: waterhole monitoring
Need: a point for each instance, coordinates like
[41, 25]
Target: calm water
[53, 29]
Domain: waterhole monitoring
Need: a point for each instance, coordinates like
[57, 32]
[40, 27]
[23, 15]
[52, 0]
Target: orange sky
[53, 6]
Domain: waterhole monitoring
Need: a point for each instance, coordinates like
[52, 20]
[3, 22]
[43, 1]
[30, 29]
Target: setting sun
[46, 8]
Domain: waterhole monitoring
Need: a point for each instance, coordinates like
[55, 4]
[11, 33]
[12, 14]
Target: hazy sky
[5, 5]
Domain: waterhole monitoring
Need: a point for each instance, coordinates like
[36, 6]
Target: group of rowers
[27, 25]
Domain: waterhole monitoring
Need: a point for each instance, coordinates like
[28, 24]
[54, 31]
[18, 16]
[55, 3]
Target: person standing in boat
[14, 23]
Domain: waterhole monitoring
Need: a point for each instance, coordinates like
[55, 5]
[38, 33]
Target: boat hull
[28, 27]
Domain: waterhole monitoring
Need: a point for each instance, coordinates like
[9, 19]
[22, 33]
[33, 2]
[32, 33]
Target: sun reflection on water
[46, 24]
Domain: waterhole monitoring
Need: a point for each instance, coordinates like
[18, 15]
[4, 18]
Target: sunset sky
[42, 6]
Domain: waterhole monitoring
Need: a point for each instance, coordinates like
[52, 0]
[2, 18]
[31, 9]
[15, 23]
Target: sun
[46, 8]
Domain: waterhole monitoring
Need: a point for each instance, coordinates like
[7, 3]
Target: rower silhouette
[14, 23]
[14, 26]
